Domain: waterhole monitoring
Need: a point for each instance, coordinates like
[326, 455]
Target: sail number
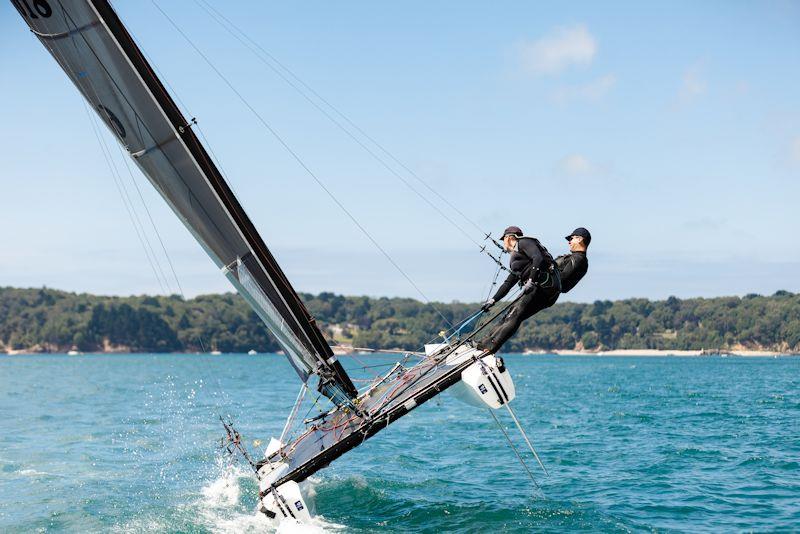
[33, 8]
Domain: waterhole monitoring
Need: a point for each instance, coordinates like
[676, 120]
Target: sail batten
[93, 47]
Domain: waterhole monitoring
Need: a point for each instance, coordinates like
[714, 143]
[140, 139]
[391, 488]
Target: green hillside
[48, 320]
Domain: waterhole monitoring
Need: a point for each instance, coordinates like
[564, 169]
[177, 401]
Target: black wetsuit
[530, 259]
[572, 267]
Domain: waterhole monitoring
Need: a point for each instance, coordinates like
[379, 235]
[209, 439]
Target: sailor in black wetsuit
[574, 266]
[533, 268]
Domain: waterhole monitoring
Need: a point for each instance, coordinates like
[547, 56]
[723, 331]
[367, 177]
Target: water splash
[227, 505]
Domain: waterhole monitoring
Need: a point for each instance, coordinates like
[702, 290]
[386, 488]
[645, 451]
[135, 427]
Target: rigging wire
[101, 143]
[138, 225]
[219, 165]
[432, 362]
[336, 110]
[418, 370]
[290, 420]
[188, 113]
[152, 222]
[339, 124]
[116, 175]
[145, 206]
[421, 354]
[319, 182]
[118, 182]
[301, 162]
[525, 436]
[514, 448]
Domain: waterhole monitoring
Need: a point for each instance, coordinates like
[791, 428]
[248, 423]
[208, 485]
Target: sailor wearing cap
[574, 266]
[533, 268]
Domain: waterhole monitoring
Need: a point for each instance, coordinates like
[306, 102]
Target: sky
[670, 130]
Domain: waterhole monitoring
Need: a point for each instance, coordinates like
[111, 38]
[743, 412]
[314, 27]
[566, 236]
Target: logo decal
[298, 505]
[482, 389]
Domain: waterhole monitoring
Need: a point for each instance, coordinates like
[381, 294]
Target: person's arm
[506, 286]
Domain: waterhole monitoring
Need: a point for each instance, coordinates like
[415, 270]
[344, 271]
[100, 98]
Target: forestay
[98, 54]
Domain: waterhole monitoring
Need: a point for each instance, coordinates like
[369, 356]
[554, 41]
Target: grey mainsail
[98, 54]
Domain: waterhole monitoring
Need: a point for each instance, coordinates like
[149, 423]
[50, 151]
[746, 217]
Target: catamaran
[98, 54]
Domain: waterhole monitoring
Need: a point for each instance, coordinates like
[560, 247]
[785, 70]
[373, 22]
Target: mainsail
[101, 58]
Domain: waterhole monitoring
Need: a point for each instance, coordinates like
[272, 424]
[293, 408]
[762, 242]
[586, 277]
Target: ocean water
[128, 443]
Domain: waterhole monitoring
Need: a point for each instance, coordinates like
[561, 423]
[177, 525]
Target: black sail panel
[88, 40]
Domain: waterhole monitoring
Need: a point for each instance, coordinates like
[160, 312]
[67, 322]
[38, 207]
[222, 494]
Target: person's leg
[509, 324]
[524, 308]
[545, 297]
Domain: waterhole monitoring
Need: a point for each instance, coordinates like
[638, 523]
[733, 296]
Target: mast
[91, 44]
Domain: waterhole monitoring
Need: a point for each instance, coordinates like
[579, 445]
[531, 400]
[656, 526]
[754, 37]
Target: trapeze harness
[530, 260]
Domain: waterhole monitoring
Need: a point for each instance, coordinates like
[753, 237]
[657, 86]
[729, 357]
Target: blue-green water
[128, 443]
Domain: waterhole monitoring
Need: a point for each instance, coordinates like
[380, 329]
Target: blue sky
[671, 131]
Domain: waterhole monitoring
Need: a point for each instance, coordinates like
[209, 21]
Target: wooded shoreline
[43, 320]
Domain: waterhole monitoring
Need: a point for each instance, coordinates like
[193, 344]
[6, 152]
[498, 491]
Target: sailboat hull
[285, 502]
[342, 430]
[485, 384]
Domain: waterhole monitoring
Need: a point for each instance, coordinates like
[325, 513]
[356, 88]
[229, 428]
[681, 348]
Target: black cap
[513, 230]
[581, 232]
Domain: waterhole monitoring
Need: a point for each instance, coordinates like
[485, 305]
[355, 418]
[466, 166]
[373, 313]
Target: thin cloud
[693, 83]
[592, 91]
[575, 165]
[561, 48]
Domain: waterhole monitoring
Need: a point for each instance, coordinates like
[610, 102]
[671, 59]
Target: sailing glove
[528, 287]
[486, 305]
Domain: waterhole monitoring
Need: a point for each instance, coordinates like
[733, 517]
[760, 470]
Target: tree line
[48, 320]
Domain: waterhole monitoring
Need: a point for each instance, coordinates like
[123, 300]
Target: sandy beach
[677, 353]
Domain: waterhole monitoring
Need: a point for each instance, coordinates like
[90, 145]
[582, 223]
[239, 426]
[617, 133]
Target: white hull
[484, 384]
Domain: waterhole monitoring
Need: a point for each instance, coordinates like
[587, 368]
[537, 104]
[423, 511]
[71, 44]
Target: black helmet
[513, 230]
[581, 232]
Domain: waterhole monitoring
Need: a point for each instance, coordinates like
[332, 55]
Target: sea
[130, 443]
